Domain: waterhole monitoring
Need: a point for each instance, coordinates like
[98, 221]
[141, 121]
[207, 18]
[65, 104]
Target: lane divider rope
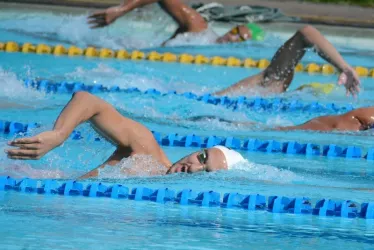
[194, 141]
[251, 202]
[59, 50]
[258, 104]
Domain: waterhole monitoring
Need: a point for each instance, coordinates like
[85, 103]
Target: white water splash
[109, 76]
[266, 172]
[73, 29]
[151, 78]
[206, 37]
[14, 89]
[137, 165]
[277, 120]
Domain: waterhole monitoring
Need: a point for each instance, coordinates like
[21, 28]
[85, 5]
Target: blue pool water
[45, 222]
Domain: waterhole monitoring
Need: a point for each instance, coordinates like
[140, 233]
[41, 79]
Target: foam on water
[265, 172]
[13, 88]
[134, 166]
[23, 170]
[144, 78]
[73, 29]
[206, 37]
[146, 166]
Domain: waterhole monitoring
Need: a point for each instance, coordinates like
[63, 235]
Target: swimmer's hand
[33, 148]
[105, 17]
[350, 80]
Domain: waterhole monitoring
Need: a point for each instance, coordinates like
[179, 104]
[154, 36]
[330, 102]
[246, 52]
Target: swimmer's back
[356, 120]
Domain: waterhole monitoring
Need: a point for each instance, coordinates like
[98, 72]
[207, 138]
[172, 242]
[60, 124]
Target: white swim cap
[232, 157]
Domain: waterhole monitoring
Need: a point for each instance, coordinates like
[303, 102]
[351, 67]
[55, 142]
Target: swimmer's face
[237, 34]
[208, 160]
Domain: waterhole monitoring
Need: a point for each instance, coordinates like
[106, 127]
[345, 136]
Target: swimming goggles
[236, 31]
[203, 158]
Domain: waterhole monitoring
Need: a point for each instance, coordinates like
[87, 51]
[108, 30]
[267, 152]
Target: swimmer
[277, 77]
[130, 137]
[188, 19]
[356, 120]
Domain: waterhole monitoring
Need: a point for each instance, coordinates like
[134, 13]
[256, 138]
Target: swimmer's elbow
[307, 29]
[307, 32]
[81, 95]
[90, 101]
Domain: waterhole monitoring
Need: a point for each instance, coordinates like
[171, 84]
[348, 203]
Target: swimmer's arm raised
[278, 75]
[327, 51]
[289, 55]
[82, 107]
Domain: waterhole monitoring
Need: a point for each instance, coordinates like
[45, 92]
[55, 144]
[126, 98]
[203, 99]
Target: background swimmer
[188, 19]
[355, 120]
[277, 77]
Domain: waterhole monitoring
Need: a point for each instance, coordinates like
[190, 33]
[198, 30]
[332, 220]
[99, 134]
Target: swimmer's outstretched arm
[81, 108]
[105, 17]
[188, 19]
[282, 66]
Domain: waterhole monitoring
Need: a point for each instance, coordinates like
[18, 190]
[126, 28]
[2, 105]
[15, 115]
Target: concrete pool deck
[332, 14]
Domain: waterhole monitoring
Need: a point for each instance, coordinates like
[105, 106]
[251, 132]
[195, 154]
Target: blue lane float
[260, 104]
[12, 128]
[187, 197]
[250, 144]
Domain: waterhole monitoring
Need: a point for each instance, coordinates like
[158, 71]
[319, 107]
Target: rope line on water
[194, 141]
[258, 104]
[59, 50]
[274, 204]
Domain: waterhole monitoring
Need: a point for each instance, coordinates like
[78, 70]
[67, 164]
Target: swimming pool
[78, 222]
